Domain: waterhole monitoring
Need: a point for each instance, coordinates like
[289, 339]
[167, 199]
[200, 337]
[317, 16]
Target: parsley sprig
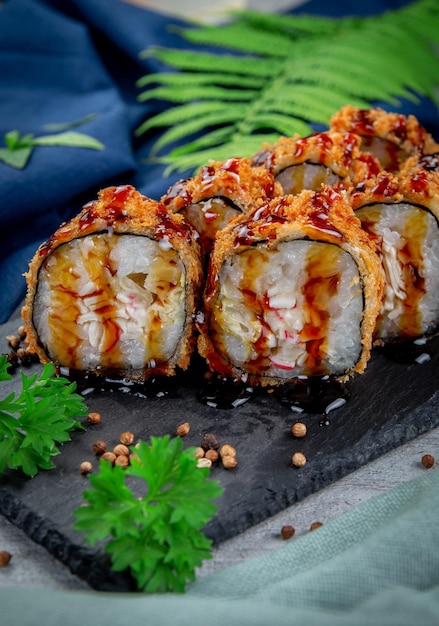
[158, 535]
[35, 422]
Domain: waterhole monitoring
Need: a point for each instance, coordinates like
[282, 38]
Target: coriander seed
[287, 531]
[229, 462]
[13, 341]
[121, 449]
[298, 459]
[109, 456]
[227, 450]
[204, 462]
[127, 438]
[183, 429]
[315, 525]
[298, 429]
[94, 418]
[212, 455]
[122, 460]
[428, 461]
[86, 467]
[199, 452]
[99, 447]
[210, 441]
[5, 558]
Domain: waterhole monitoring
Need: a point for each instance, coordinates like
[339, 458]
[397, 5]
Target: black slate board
[390, 404]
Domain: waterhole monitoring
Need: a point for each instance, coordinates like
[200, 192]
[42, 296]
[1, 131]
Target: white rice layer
[408, 238]
[306, 176]
[110, 300]
[295, 310]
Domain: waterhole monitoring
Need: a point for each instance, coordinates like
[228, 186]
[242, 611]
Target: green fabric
[378, 564]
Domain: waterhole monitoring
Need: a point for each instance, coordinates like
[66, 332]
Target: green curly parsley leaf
[155, 532]
[35, 422]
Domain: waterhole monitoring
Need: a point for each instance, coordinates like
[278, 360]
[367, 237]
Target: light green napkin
[376, 565]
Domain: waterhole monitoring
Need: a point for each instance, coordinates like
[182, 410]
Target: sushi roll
[218, 192]
[113, 291]
[400, 213]
[390, 137]
[326, 158]
[293, 290]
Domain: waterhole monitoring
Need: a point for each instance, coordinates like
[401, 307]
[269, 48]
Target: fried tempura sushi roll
[114, 290]
[293, 290]
[390, 137]
[218, 192]
[401, 213]
[327, 158]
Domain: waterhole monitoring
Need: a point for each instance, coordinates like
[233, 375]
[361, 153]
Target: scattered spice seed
[428, 461]
[25, 356]
[227, 450]
[109, 456]
[204, 462]
[298, 459]
[183, 429]
[298, 429]
[127, 438]
[229, 462]
[13, 341]
[5, 558]
[199, 452]
[121, 450]
[94, 418]
[287, 531]
[99, 447]
[122, 460]
[212, 455]
[210, 442]
[86, 467]
[315, 525]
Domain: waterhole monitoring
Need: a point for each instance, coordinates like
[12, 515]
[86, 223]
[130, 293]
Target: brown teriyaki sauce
[318, 395]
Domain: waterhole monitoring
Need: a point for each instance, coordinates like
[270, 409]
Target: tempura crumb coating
[404, 132]
[338, 152]
[118, 214]
[401, 213]
[310, 217]
[234, 183]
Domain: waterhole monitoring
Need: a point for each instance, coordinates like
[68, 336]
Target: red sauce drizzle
[178, 190]
[419, 182]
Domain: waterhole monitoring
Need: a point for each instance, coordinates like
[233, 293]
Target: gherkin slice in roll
[401, 214]
[114, 290]
[293, 290]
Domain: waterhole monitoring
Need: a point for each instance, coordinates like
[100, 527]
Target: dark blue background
[61, 60]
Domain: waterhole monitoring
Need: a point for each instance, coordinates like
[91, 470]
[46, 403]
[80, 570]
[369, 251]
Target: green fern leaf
[194, 93]
[206, 62]
[240, 147]
[239, 36]
[285, 74]
[201, 78]
[192, 126]
[291, 25]
[181, 113]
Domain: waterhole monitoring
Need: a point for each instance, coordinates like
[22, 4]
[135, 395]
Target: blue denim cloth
[62, 60]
